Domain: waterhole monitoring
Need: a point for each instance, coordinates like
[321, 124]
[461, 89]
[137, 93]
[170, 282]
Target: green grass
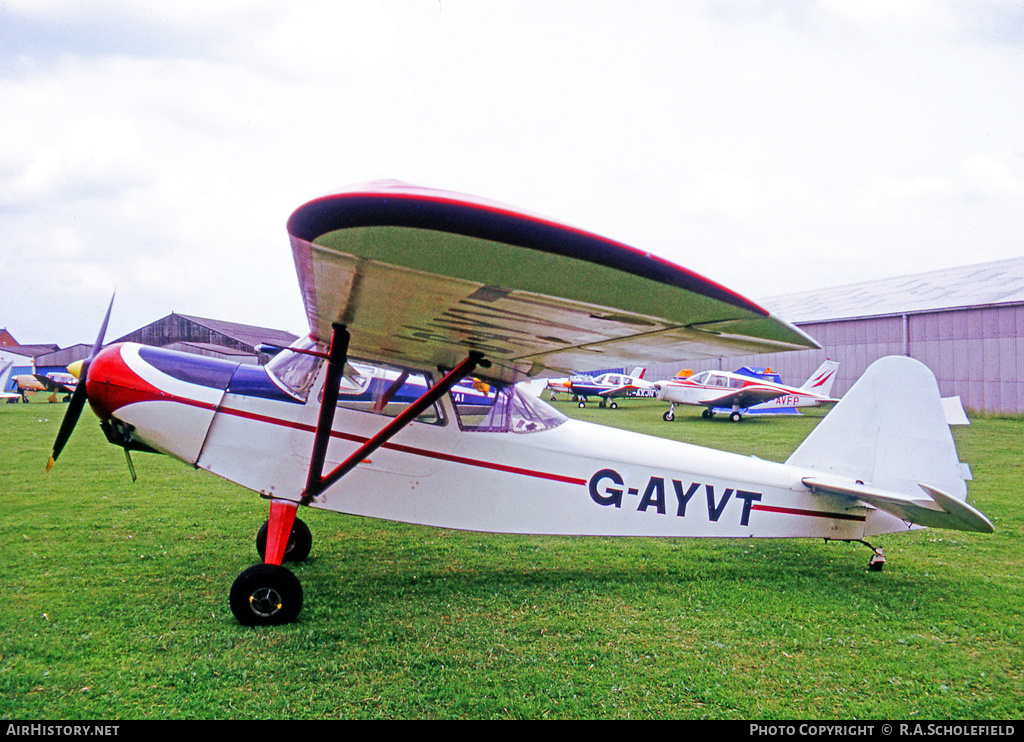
[115, 603]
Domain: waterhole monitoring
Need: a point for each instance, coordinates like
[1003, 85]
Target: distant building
[966, 324]
[6, 339]
[210, 337]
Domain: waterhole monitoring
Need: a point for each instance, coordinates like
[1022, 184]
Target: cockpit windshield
[295, 370]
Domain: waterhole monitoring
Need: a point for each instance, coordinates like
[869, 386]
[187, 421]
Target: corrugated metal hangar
[229, 340]
[966, 324]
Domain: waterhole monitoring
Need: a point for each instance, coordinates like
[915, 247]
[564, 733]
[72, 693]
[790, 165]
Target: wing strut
[316, 481]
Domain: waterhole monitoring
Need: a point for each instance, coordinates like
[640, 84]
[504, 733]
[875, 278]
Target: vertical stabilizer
[821, 380]
[889, 431]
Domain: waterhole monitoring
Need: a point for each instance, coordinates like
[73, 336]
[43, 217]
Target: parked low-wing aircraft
[609, 387]
[714, 390]
[58, 382]
[563, 384]
[495, 295]
[55, 382]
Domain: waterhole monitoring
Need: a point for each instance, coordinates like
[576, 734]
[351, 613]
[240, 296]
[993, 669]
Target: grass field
[115, 603]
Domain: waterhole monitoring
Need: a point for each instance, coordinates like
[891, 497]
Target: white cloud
[162, 147]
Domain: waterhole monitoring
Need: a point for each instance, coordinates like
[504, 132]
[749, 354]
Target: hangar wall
[974, 352]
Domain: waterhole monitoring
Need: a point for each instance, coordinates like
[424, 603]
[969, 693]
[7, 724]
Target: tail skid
[888, 445]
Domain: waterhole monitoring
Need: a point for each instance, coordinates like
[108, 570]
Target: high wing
[425, 276]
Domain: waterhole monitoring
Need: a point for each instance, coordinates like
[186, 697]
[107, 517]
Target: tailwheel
[266, 595]
[300, 542]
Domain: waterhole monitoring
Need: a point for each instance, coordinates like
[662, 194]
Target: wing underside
[423, 277]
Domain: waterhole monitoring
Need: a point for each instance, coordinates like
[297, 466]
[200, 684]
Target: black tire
[735, 417]
[266, 595]
[300, 542]
[668, 416]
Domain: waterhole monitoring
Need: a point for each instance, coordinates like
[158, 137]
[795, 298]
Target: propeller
[78, 398]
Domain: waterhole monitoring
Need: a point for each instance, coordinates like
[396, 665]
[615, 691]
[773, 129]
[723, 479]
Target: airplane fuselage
[449, 469]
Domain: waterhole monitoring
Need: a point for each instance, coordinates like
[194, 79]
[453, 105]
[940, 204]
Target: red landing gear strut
[269, 593]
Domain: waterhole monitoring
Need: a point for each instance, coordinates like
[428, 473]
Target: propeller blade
[78, 398]
[67, 425]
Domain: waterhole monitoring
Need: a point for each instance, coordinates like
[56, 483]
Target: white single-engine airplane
[716, 389]
[427, 288]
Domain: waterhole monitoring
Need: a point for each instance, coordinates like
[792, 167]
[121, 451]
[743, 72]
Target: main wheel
[735, 417]
[300, 542]
[266, 595]
[707, 414]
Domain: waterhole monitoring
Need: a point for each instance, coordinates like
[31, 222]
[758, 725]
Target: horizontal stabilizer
[933, 509]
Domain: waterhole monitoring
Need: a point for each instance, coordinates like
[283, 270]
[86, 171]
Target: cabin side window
[490, 407]
[386, 390]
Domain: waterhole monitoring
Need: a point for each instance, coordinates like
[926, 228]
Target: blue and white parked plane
[610, 386]
[484, 295]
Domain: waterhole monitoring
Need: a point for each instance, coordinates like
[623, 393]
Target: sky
[157, 149]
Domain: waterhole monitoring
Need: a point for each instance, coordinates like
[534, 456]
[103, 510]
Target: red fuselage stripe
[409, 449]
[148, 397]
[808, 513]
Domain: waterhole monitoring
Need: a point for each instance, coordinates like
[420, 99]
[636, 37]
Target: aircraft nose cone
[106, 379]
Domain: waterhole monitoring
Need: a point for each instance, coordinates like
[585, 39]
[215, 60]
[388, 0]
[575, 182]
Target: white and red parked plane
[429, 288]
[739, 392]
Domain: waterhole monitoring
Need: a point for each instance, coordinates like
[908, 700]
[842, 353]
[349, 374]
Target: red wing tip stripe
[809, 513]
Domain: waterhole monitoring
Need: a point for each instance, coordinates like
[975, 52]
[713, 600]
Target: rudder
[889, 431]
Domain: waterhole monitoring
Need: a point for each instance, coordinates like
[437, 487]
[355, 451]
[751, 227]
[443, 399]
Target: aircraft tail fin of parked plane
[888, 444]
[821, 380]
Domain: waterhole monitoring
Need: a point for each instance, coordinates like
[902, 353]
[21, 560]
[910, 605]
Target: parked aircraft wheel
[707, 414]
[300, 542]
[582, 404]
[614, 405]
[735, 417]
[266, 595]
[669, 416]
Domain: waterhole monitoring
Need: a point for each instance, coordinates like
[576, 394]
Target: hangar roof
[981, 284]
